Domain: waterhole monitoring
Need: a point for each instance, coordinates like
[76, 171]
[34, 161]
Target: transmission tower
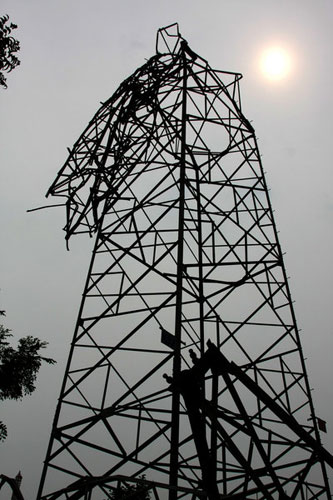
[185, 376]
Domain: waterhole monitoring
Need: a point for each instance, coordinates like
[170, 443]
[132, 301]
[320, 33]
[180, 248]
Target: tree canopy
[8, 47]
[138, 491]
[18, 367]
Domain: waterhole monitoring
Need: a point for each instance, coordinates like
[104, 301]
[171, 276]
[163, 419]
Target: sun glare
[275, 63]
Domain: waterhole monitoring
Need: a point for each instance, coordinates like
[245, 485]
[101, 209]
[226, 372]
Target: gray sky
[74, 54]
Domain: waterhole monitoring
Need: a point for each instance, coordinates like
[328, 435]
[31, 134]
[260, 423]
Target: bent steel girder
[189, 383]
[169, 177]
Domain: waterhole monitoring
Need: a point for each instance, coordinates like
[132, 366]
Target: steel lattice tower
[168, 176]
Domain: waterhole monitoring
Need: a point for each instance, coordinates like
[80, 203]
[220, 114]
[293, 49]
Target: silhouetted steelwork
[14, 483]
[168, 176]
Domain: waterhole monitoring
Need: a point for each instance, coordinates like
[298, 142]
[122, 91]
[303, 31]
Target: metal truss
[169, 177]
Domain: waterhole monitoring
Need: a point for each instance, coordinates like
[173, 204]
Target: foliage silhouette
[18, 367]
[8, 46]
[138, 491]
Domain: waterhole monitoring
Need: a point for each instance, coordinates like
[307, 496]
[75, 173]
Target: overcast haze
[74, 54]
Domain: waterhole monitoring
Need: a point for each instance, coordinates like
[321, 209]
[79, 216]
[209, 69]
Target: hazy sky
[74, 54]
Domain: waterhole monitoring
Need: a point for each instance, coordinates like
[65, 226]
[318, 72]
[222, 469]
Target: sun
[275, 63]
